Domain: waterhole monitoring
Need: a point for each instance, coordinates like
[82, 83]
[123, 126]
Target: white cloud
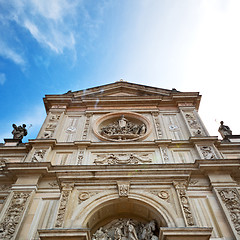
[2, 78]
[9, 53]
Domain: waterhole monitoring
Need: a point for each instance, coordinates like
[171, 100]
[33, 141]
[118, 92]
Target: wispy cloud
[2, 78]
[11, 54]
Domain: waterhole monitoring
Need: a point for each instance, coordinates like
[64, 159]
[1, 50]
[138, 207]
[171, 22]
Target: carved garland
[39, 155]
[207, 152]
[193, 124]
[231, 200]
[111, 159]
[182, 194]
[13, 215]
[80, 157]
[62, 208]
[157, 124]
[50, 129]
[87, 123]
[164, 152]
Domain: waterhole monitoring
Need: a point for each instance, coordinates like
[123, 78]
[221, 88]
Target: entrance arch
[106, 208]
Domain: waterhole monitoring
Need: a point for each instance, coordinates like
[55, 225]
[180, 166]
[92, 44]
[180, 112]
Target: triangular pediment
[121, 89]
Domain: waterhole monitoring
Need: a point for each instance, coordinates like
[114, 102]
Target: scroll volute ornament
[122, 127]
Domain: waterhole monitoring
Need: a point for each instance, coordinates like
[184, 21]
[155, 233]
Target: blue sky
[52, 46]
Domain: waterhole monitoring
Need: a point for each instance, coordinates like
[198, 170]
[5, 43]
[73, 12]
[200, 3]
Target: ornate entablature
[122, 127]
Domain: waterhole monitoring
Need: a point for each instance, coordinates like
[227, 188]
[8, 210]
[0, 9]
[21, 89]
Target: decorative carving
[173, 128]
[123, 129]
[62, 208]
[157, 124]
[164, 152]
[231, 200]
[5, 187]
[207, 152]
[38, 155]
[87, 123]
[124, 158]
[50, 129]
[193, 182]
[182, 194]
[19, 132]
[123, 188]
[163, 194]
[83, 196]
[13, 215]
[224, 130]
[80, 157]
[122, 229]
[53, 184]
[193, 124]
[71, 130]
[2, 162]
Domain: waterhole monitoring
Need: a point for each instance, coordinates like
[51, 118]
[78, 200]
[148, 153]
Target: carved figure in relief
[127, 229]
[132, 158]
[123, 129]
[19, 131]
[231, 199]
[132, 235]
[39, 155]
[224, 130]
[207, 152]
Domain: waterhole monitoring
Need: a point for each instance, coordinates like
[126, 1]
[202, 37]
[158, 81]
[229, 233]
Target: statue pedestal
[11, 142]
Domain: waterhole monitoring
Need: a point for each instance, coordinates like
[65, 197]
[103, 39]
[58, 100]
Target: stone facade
[121, 161]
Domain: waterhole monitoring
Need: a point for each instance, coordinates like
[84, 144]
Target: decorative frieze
[13, 216]
[51, 126]
[164, 152]
[181, 187]
[122, 158]
[62, 208]
[123, 188]
[80, 157]
[193, 124]
[66, 190]
[86, 127]
[208, 152]
[39, 155]
[157, 124]
[231, 200]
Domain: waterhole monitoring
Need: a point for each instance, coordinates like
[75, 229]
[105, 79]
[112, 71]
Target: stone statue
[127, 229]
[19, 132]
[123, 129]
[224, 130]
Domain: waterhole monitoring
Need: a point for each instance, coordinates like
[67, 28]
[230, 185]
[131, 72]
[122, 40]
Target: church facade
[121, 161]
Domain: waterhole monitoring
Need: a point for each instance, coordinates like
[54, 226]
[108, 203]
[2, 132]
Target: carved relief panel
[208, 152]
[10, 222]
[51, 126]
[122, 127]
[231, 200]
[193, 123]
[122, 158]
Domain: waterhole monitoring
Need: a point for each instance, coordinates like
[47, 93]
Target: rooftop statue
[224, 130]
[19, 132]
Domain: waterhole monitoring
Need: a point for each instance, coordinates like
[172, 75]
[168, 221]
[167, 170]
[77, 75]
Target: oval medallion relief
[122, 127]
